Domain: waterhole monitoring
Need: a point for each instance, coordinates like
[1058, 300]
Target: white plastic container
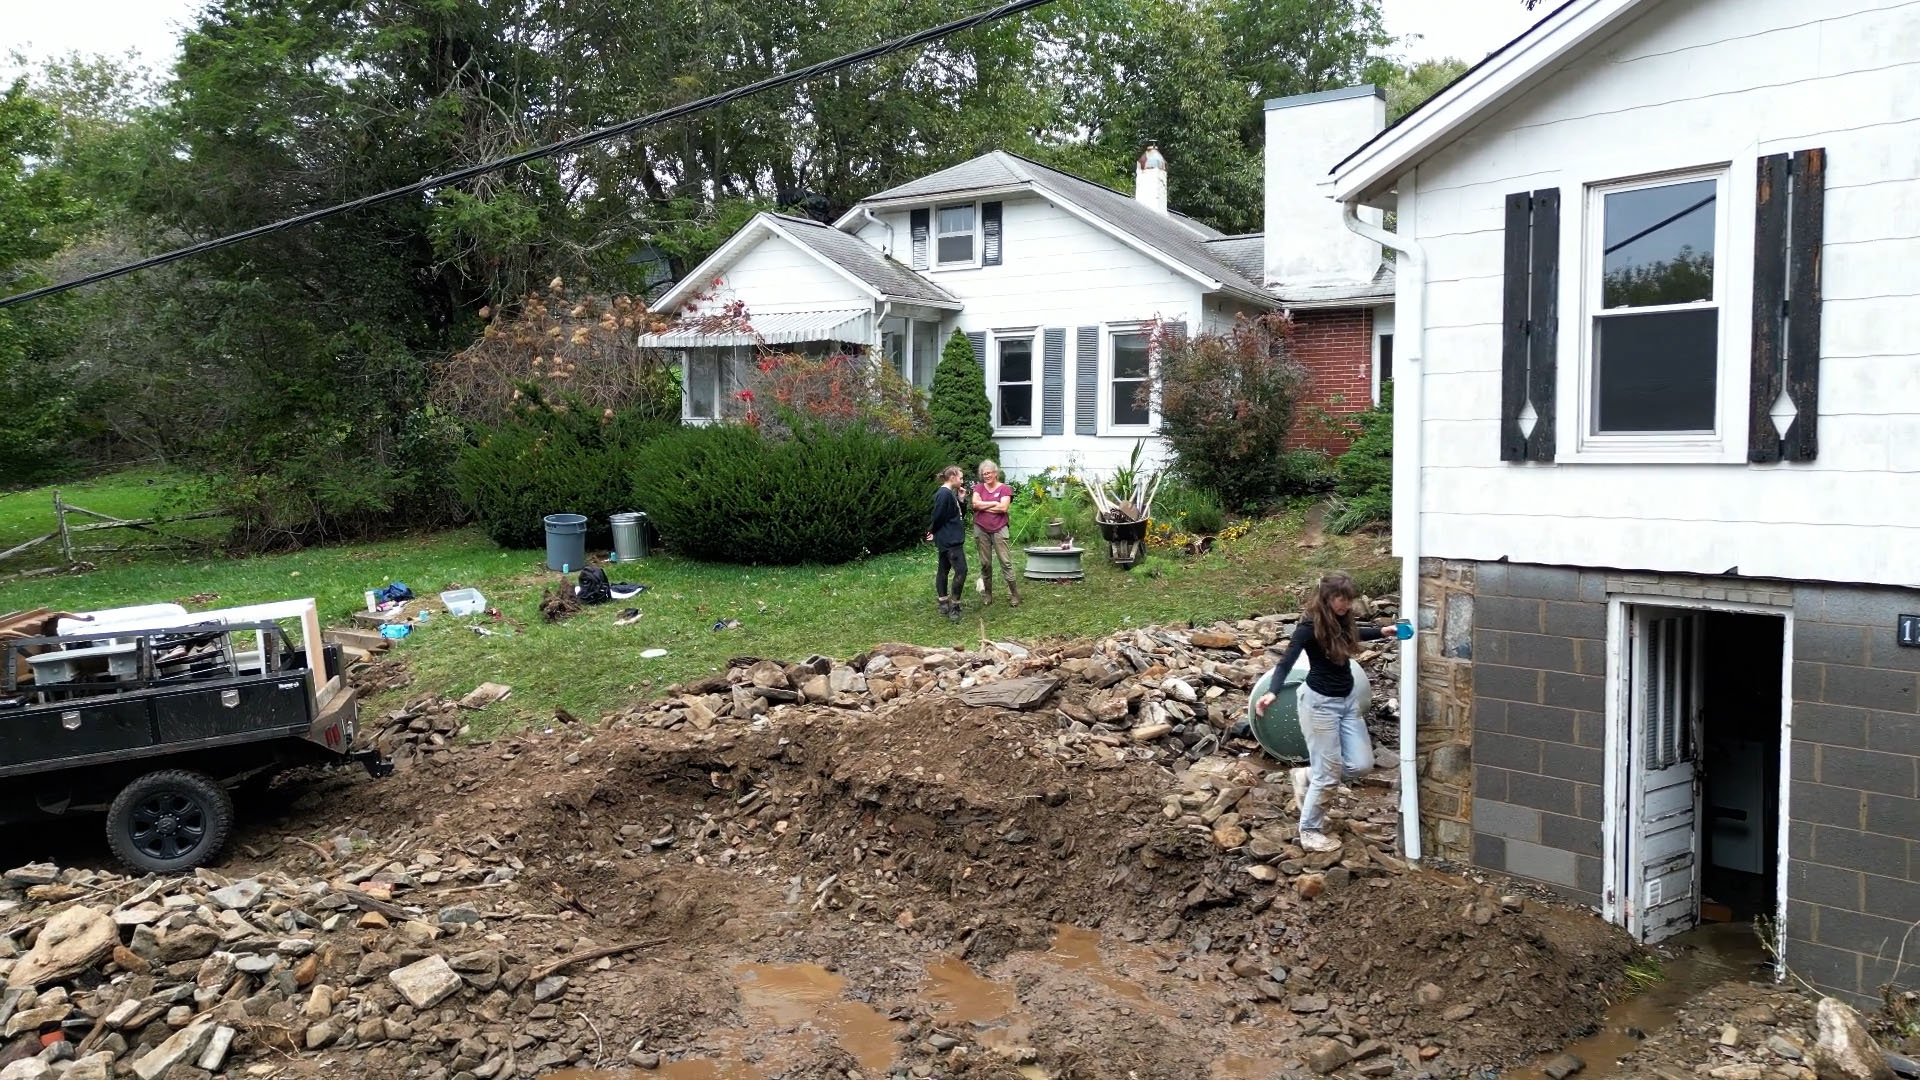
[464, 602]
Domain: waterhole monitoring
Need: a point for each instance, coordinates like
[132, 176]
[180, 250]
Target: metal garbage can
[629, 536]
[1278, 729]
[566, 541]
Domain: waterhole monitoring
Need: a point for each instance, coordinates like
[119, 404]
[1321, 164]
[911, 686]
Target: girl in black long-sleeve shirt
[1336, 732]
[948, 531]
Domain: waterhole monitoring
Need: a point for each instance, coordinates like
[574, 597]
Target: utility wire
[677, 112]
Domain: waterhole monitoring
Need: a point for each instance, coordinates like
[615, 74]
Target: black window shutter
[921, 223]
[1053, 389]
[1788, 233]
[1086, 382]
[1530, 325]
[990, 234]
[978, 339]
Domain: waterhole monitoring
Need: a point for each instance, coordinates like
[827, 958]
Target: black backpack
[593, 586]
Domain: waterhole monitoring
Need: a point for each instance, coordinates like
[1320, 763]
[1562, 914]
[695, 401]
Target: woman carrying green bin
[1335, 729]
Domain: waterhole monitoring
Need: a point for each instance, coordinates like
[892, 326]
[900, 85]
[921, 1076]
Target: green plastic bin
[1278, 729]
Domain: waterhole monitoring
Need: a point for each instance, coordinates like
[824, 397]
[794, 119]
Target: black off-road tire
[170, 821]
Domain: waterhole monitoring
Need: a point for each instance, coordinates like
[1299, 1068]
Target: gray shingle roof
[862, 260]
[1175, 235]
[1339, 293]
[1247, 254]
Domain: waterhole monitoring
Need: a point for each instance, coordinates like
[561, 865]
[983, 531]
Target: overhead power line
[677, 112]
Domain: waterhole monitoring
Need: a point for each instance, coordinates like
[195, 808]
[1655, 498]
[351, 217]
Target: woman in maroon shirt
[991, 499]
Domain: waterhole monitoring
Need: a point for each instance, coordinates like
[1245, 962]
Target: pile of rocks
[180, 977]
[1154, 692]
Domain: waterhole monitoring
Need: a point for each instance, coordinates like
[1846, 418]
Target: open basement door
[1663, 860]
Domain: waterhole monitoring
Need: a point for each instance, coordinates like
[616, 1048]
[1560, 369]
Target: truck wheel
[169, 821]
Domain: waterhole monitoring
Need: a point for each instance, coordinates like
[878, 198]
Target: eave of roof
[1373, 167]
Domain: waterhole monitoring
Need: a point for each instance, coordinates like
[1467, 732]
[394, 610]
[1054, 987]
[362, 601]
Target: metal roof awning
[781, 328]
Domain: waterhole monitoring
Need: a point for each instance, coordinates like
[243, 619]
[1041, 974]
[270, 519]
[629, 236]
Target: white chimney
[1307, 135]
[1150, 180]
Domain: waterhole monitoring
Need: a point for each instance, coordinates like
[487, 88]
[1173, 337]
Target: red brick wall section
[1336, 348]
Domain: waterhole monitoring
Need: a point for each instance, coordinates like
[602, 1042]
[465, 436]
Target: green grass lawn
[135, 493]
[589, 666]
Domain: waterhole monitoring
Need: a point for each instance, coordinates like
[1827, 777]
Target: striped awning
[780, 328]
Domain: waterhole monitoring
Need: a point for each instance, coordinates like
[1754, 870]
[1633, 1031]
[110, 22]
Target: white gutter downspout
[868, 214]
[1410, 273]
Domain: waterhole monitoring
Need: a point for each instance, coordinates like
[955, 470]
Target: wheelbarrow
[1126, 541]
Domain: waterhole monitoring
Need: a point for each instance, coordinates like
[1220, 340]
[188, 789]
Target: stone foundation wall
[1446, 708]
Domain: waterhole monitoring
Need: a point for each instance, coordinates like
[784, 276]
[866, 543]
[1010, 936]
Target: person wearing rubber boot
[1336, 730]
[991, 500]
[948, 531]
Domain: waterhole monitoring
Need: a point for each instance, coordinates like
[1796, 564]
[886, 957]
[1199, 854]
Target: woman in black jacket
[948, 532]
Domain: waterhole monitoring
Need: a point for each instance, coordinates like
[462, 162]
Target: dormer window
[954, 235]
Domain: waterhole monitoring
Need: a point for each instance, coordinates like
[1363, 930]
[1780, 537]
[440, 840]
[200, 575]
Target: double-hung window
[1013, 391]
[1127, 382]
[1654, 295]
[954, 229]
[714, 378]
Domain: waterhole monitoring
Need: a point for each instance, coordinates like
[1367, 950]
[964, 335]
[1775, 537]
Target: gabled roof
[867, 269]
[1170, 238]
[1372, 169]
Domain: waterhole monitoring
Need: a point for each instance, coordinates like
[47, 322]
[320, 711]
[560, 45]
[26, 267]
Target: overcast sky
[1465, 28]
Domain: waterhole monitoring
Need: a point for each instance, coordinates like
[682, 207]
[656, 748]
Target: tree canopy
[300, 362]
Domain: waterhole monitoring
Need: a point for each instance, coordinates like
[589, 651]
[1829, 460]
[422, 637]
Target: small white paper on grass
[980, 584]
[653, 654]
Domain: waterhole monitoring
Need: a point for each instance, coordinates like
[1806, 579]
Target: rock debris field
[1006, 861]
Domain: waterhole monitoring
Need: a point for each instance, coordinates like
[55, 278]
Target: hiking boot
[986, 592]
[1318, 843]
[946, 606]
[1301, 778]
[953, 612]
[1013, 595]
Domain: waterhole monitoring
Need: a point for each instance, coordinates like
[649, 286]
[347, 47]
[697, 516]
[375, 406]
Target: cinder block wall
[1539, 725]
[1524, 688]
[1853, 808]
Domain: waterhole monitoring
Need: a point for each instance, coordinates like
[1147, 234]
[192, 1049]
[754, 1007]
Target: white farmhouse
[1057, 283]
[1659, 358]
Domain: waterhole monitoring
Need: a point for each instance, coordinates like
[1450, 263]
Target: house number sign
[1909, 631]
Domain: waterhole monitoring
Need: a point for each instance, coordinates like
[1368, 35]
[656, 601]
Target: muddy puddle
[1715, 953]
[791, 1005]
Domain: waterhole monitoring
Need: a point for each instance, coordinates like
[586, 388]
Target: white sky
[1468, 29]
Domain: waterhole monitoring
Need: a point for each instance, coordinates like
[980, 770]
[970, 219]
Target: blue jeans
[1337, 740]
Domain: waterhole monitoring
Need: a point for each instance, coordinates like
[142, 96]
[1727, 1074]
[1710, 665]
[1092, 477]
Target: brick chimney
[1150, 180]
[1306, 136]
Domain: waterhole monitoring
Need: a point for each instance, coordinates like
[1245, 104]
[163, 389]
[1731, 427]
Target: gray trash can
[629, 536]
[566, 541]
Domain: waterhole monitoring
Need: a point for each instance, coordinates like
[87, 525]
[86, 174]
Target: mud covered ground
[913, 887]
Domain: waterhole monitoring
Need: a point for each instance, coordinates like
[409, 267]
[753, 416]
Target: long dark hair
[1336, 633]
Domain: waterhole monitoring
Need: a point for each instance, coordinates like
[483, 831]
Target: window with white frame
[714, 378]
[1127, 381]
[1654, 297]
[1013, 389]
[954, 240]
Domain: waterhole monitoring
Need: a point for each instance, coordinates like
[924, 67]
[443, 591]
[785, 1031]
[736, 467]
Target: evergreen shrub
[729, 493]
[553, 458]
[962, 416]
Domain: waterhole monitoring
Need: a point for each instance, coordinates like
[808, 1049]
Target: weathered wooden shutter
[978, 339]
[1086, 381]
[921, 223]
[990, 234]
[1788, 231]
[1177, 331]
[1531, 326]
[1053, 383]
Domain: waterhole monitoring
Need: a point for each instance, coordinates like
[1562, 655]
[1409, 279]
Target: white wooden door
[1663, 857]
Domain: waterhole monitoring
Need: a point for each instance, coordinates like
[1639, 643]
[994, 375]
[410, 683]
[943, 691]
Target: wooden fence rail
[66, 530]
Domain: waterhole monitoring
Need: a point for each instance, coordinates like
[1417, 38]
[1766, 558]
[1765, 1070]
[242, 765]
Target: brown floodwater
[1713, 954]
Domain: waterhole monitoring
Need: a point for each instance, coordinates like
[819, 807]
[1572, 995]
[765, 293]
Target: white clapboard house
[1657, 471]
[1056, 282]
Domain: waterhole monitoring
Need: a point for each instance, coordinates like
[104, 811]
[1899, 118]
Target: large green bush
[962, 416]
[553, 458]
[728, 493]
[1365, 471]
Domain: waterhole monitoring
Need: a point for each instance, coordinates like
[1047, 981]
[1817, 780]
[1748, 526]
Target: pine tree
[962, 415]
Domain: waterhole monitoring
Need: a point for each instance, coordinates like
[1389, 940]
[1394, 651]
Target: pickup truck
[156, 718]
